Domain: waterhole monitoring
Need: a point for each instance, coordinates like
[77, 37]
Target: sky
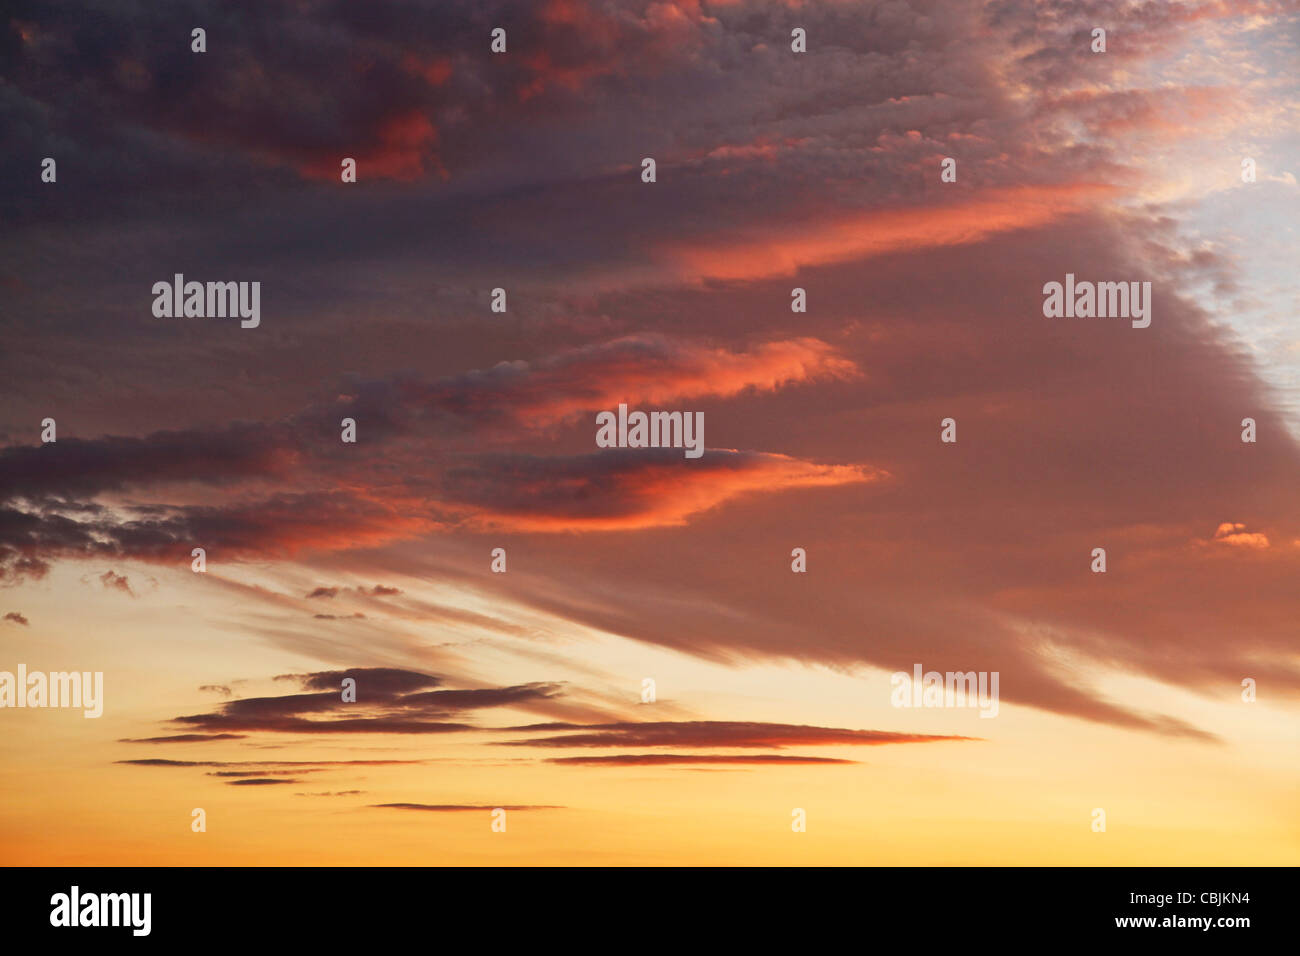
[1163, 692]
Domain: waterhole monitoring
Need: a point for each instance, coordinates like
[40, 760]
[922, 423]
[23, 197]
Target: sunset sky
[476, 430]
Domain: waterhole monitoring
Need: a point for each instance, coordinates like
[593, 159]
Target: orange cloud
[640, 491]
[644, 369]
[634, 369]
[1237, 536]
[783, 251]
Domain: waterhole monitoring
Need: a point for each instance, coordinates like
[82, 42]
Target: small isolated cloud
[1236, 535]
[111, 579]
[323, 593]
[381, 590]
[16, 618]
[221, 689]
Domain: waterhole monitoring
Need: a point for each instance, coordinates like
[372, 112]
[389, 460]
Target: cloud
[180, 739]
[781, 250]
[391, 693]
[645, 368]
[47, 509]
[339, 725]
[74, 467]
[281, 526]
[388, 700]
[385, 681]
[1235, 534]
[16, 617]
[160, 762]
[259, 781]
[714, 733]
[116, 581]
[458, 807]
[627, 489]
[263, 772]
[924, 303]
[652, 760]
[331, 793]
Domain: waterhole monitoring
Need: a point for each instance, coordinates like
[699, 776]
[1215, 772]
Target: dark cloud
[775, 171]
[384, 681]
[180, 739]
[483, 697]
[161, 762]
[340, 725]
[390, 700]
[259, 781]
[652, 760]
[458, 807]
[264, 772]
[714, 733]
[79, 468]
[41, 517]
[16, 617]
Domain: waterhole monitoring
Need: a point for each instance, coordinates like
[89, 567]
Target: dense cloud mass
[774, 171]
